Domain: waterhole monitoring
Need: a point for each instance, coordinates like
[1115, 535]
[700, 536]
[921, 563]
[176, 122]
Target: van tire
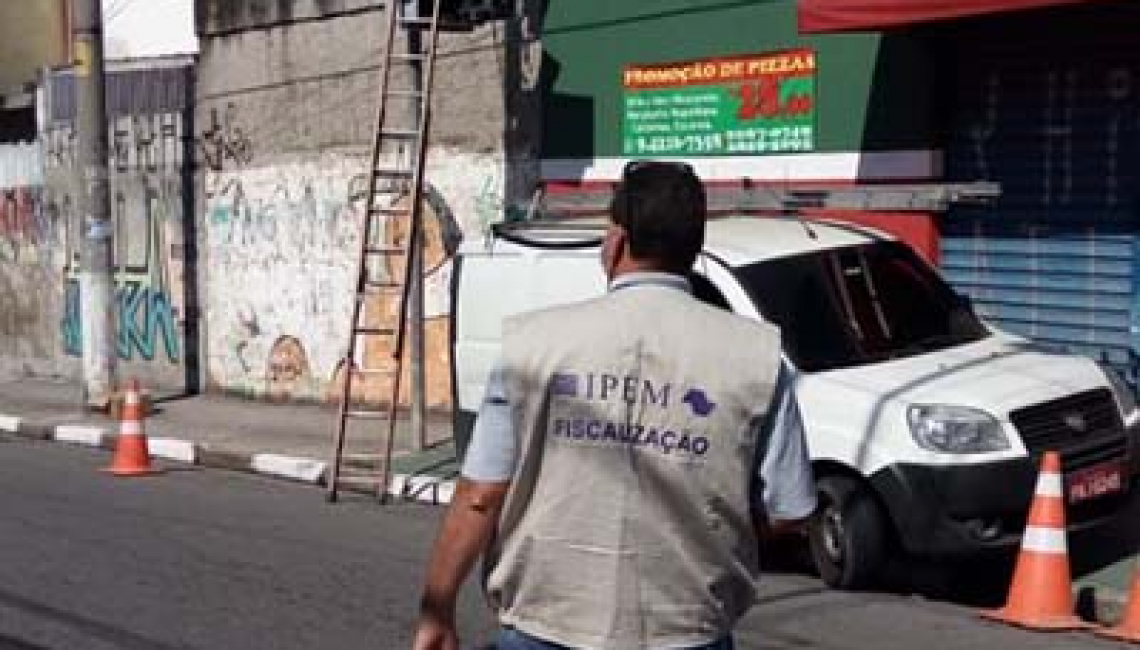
[847, 534]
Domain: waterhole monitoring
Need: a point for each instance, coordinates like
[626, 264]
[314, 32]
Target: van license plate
[1095, 482]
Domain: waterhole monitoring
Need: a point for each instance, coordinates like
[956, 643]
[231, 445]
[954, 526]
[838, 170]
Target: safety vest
[628, 523]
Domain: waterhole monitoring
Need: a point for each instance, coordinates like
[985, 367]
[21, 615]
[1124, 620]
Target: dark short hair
[661, 206]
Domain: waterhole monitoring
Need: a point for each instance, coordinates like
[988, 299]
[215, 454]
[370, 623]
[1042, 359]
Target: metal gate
[1048, 105]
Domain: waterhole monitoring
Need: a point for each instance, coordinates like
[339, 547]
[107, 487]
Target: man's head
[657, 219]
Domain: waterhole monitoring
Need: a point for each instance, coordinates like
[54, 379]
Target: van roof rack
[558, 220]
[552, 234]
[748, 196]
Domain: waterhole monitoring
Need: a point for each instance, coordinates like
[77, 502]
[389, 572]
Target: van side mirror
[962, 316]
[962, 303]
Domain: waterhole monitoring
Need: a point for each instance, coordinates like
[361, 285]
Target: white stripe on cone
[130, 428]
[1044, 540]
[132, 398]
[1050, 485]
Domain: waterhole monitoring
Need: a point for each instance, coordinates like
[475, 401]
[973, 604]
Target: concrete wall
[287, 98]
[33, 35]
[31, 261]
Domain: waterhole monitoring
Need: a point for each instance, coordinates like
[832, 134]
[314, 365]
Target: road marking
[78, 435]
[426, 489]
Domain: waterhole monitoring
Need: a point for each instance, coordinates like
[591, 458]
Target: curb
[423, 489]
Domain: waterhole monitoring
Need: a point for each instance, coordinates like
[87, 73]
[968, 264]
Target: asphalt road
[216, 560]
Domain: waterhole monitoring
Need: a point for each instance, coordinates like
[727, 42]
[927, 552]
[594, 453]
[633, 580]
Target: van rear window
[861, 304]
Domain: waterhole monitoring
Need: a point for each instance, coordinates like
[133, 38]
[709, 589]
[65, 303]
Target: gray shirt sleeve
[493, 446]
[783, 486]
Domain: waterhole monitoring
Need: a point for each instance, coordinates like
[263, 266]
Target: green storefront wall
[873, 92]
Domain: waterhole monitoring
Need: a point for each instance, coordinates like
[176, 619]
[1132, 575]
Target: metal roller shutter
[1048, 105]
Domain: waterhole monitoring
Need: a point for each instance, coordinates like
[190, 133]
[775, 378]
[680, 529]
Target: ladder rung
[400, 133]
[383, 372]
[417, 22]
[402, 56]
[391, 211]
[383, 284]
[384, 250]
[360, 458]
[391, 172]
[366, 415]
[361, 297]
[374, 331]
[404, 93]
[371, 482]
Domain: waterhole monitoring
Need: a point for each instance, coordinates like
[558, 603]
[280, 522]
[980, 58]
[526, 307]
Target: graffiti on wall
[281, 233]
[282, 242]
[146, 163]
[27, 227]
[29, 257]
[224, 144]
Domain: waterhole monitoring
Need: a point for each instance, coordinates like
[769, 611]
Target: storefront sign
[744, 105]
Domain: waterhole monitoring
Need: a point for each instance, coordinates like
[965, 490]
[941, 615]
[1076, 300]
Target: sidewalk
[282, 440]
[295, 442]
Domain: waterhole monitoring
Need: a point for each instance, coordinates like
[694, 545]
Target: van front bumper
[967, 510]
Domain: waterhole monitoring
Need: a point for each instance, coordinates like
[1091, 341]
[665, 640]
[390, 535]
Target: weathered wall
[31, 259]
[150, 196]
[33, 35]
[286, 107]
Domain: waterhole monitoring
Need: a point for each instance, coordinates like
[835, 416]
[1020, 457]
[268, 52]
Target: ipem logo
[605, 387]
[699, 402]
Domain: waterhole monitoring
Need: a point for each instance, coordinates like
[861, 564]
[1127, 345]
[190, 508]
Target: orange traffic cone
[1129, 627]
[132, 458]
[1041, 594]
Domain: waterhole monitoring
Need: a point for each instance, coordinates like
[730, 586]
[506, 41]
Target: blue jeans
[511, 639]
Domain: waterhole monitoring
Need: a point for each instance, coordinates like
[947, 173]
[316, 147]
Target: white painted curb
[425, 489]
[173, 449]
[9, 423]
[300, 469]
[78, 435]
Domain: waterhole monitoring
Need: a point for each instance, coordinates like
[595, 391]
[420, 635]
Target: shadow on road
[94, 629]
[12, 643]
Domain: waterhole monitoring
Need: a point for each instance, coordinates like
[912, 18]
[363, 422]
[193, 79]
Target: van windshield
[850, 306]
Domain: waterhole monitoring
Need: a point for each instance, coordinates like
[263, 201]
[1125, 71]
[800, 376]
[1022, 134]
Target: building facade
[1038, 96]
[286, 103]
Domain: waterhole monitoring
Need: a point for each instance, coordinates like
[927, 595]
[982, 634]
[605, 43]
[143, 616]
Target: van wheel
[847, 534]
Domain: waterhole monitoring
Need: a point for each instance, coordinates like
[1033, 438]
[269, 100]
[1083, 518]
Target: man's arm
[471, 519]
[466, 530]
[784, 489]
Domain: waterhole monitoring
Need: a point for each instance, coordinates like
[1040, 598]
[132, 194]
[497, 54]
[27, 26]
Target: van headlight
[955, 429]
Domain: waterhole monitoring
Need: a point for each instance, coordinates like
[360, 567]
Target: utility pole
[96, 284]
[415, 322]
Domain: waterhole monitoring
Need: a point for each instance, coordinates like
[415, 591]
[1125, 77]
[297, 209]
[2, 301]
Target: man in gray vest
[629, 454]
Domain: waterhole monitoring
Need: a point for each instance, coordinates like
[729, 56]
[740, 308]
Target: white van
[925, 425]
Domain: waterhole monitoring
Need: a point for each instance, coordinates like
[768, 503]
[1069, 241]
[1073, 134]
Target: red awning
[851, 15]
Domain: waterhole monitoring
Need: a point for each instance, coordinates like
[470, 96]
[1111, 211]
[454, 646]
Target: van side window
[706, 292]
